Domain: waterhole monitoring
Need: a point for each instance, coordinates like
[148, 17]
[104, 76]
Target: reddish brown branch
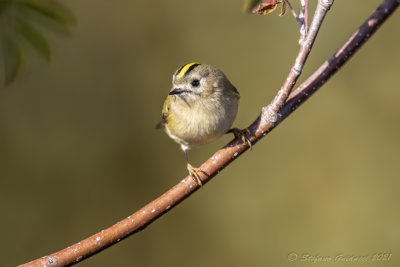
[259, 128]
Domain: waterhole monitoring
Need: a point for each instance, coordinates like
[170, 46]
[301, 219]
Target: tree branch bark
[258, 129]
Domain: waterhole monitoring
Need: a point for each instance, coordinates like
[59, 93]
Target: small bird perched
[200, 108]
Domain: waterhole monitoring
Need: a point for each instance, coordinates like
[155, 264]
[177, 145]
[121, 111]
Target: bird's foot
[194, 173]
[241, 134]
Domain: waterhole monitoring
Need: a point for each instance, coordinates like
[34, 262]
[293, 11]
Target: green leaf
[3, 5]
[23, 17]
[34, 37]
[12, 60]
[50, 9]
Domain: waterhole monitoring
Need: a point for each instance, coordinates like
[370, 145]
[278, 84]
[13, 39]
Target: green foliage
[20, 22]
[12, 59]
[34, 37]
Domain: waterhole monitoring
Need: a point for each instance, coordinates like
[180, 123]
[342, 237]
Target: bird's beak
[177, 91]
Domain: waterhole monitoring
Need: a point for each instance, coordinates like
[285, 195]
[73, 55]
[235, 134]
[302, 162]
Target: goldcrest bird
[200, 108]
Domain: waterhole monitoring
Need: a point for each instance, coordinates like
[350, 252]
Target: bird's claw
[242, 134]
[194, 173]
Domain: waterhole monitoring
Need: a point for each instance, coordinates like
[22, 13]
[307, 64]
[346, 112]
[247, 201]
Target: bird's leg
[241, 134]
[193, 172]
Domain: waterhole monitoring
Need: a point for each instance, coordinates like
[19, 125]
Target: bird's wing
[236, 92]
[164, 113]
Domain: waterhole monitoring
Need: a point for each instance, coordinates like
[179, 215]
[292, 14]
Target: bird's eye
[195, 83]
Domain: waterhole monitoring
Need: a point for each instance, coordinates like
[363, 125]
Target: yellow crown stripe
[185, 69]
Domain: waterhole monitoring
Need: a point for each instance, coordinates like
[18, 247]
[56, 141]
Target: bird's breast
[200, 122]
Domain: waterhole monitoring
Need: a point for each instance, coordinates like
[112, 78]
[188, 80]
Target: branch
[304, 20]
[269, 112]
[331, 66]
[258, 129]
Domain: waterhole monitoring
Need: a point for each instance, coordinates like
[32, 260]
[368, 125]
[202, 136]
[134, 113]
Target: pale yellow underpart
[202, 122]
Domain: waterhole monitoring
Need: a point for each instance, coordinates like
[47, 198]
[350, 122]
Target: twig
[303, 20]
[306, 16]
[293, 12]
[259, 128]
[270, 112]
[331, 66]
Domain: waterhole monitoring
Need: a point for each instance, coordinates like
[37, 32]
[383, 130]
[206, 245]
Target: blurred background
[79, 151]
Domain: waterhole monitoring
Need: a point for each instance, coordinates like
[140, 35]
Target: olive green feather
[164, 113]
